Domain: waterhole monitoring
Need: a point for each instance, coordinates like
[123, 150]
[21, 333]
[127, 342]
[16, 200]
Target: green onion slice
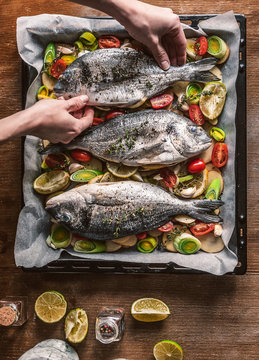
[216, 47]
[193, 92]
[217, 133]
[87, 38]
[213, 190]
[187, 244]
[60, 236]
[147, 245]
[89, 246]
[50, 54]
[84, 175]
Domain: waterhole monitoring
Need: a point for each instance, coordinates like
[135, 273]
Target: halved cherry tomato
[201, 46]
[169, 178]
[196, 166]
[161, 101]
[219, 155]
[80, 155]
[58, 68]
[196, 115]
[167, 227]
[56, 161]
[108, 41]
[141, 236]
[97, 121]
[113, 113]
[201, 228]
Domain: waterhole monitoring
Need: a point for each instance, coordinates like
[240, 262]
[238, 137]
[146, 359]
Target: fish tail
[50, 148]
[203, 210]
[200, 71]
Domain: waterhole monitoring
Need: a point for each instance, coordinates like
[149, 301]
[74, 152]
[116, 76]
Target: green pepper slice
[217, 133]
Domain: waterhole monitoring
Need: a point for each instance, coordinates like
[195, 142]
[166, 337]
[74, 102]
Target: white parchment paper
[33, 35]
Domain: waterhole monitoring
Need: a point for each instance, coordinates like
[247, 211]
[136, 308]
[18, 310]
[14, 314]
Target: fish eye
[65, 217]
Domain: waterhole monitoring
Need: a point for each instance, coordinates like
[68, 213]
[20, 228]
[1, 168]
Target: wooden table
[212, 317]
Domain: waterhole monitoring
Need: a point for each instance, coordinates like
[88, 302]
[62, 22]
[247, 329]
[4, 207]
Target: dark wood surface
[212, 317]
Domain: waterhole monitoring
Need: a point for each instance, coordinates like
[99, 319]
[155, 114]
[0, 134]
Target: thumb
[87, 118]
[160, 55]
[76, 103]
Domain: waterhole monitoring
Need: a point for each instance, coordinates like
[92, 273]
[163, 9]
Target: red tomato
[201, 228]
[80, 155]
[97, 121]
[113, 113]
[78, 237]
[169, 178]
[196, 115]
[58, 68]
[196, 166]
[201, 46]
[219, 155]
[167, 227]
[161, 101]
[56, 161]
[108, 41]
[141, 236]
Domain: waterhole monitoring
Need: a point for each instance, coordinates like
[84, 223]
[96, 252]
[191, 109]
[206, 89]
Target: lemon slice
[168, 350]
[76, 325]
[120, 170]
[50, 306]
[108, 177]
[201, 183]
[149, 310]
[52, 181]
[212, 99]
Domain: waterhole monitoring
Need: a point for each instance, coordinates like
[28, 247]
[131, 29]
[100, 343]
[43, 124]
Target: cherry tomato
[196, 166]
[80, 155]
[141, 236]
[219, 155]
[196, 115]
[161, 101]
[201, 228]
[167, 227]
[108, 41]
[169, 178]
[97, 121]
[113, 113]
[56, 161]
[78, 237]
[58, 68]
[201, 46]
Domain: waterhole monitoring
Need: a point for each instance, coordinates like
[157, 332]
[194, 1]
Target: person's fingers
[160, 55]
[171, 51]
[78, 114]
[87, 118]
[76, 103]
[61, 98]
[180, 45]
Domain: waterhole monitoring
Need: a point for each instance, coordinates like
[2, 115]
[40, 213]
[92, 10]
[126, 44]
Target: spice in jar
[13, 311]
[110, 324]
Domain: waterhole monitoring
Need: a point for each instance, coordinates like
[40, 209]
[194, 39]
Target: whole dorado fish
[142, 138]
[123, 77]
[104, 211]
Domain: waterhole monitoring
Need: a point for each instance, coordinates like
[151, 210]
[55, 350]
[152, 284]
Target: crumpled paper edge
[25, 255]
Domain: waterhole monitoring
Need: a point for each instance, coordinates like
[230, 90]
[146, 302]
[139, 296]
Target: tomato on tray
[201, 228]
[219, 155]
[56, 161]
[108, 41]
[113, 113]
[161, 101]
[196, 115]
[196, 166]
[142, 235]
[201, 46]
[167, 227]
[58, 68]
[97, 121]
[80, 155]
[169, 178]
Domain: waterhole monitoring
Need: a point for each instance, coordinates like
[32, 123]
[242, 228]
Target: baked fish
[149, 137]
[104, 211]
[123, 77]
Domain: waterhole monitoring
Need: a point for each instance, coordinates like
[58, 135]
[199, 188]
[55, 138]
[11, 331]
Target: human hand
[54, 119]
[157, 28]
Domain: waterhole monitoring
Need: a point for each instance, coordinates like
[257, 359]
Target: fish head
[62, 209]
[199, 140]
[68, 84]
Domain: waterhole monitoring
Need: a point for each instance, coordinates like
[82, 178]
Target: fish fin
[50, 148]
[203, 210]
[199, 70]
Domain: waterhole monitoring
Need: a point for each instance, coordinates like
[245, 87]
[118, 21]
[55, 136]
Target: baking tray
[238, 242]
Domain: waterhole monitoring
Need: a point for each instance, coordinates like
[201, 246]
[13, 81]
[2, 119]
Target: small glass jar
[110, 323]
[13, 311]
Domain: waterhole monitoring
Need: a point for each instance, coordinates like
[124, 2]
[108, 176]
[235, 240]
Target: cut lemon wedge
[201, 183]
[52, 181]
[76, 325]
[212, 99]
[149, 310]
[168, 350]
[50, 306]
[120, 170]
